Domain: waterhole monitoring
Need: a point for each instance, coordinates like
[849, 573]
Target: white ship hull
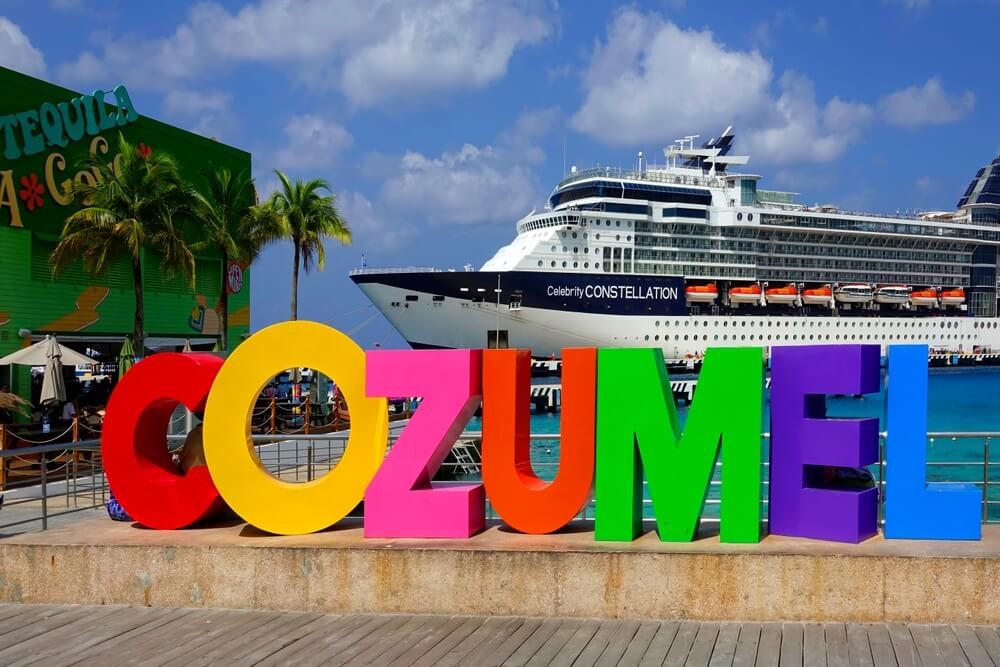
[456, 323]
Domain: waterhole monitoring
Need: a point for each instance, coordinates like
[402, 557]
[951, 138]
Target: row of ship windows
[576, 249]
[794, 337]
[878, 227]
[829, 323]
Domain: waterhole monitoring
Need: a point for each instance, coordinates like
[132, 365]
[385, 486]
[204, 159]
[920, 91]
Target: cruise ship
[694, 254]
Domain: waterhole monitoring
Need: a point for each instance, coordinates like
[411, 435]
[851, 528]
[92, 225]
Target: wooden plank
[285, 633]
[547, 652]
[223, 645]
[360, 627]
[317, 638]
[142, 645]
[990, 641]
[449, 642]
[486, 631]
[530, 647]
[58, 638]
[404, 634]
[704, 643]
[813, 645]
[500, 652]
[97, 629]
[836, 645]
[218, 625]
[883, 654]
[640, 642]
[499, 636]
[163, 618]
[345, 654]
[10, 640]
[974, 649]
[656, 653]
[595, 647]
[769, 649]
[618, 644]
[859, 649]
[430, 625]
[576, 643]
[949, 646]
[903, 645]
[681, 646]
[792, 638]
[746, 646]
[36, 618]
[927, 649]
[427, 642]
[725, 645]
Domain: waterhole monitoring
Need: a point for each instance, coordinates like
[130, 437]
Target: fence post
[76, 428]
[45, 493]
[986, 480]
[307, 416]
[274, 415]
[309, 459]
[3, 461]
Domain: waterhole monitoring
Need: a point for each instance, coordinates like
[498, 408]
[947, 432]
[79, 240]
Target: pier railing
[70, 476]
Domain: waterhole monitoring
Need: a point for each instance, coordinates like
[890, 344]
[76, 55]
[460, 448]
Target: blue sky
[439, 122]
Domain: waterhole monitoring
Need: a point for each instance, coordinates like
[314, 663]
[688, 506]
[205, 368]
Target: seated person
[192, 453]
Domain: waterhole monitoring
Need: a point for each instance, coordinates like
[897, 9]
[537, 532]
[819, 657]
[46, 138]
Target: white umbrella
[36, 355]
[53, 387]
[187, 345]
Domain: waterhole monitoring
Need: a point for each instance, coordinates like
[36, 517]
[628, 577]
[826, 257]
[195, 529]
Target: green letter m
[638, 432]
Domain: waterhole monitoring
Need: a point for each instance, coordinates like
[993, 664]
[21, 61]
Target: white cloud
[473, 184]
[801, 131]
[373, 229]
[371, 51]
[17, 52]
[929, 104]
[911, 5]
[313, 141]
[651, 81]
[209, 112]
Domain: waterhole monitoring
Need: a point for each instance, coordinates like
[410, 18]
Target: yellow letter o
[289, 508]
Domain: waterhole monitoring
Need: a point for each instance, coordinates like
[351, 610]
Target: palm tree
[232, 224]
[132, 203]
[308, 216]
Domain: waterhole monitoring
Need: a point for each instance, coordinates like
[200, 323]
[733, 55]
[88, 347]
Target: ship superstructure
[691, 254]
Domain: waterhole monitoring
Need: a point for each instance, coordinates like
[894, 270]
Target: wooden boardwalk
[112, 635]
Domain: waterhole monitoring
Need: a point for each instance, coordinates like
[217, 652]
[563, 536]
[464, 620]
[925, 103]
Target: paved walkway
[66, 635]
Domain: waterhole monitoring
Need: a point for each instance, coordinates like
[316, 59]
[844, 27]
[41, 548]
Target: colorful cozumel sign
[619, 423]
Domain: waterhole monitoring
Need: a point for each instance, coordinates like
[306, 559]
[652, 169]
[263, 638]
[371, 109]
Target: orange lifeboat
[788, 294]
[748, 294]
[817, 296]
[701, 293]
[926, 298]
[953, 297]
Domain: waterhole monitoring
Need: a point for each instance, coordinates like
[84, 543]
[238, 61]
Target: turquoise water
[960, 399]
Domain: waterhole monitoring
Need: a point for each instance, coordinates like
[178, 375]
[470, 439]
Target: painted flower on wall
[31, 192]
[143, 151]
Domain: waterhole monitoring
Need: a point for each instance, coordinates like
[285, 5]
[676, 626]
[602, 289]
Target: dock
[89, 635]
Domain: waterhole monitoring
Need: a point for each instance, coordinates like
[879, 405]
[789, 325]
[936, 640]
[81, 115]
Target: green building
[45, 134]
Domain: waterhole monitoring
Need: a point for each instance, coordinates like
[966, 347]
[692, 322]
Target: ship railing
[69, 477]
[394, 269]
[653, 176]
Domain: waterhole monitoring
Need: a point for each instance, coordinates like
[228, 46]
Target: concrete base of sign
[500, 572]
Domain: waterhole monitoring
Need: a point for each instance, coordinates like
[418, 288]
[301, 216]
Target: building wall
[75, 302]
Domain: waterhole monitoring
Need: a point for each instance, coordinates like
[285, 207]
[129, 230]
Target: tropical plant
[308, 217]
[14, 403]
[133, 203]
[233, 225]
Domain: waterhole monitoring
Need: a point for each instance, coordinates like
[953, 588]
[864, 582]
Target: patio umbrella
[126, 357]
[217, 347]
[37, 355]
[53, 386]
[187, 345]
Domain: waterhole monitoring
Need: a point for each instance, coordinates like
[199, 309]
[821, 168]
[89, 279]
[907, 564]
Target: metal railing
[71, 476]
